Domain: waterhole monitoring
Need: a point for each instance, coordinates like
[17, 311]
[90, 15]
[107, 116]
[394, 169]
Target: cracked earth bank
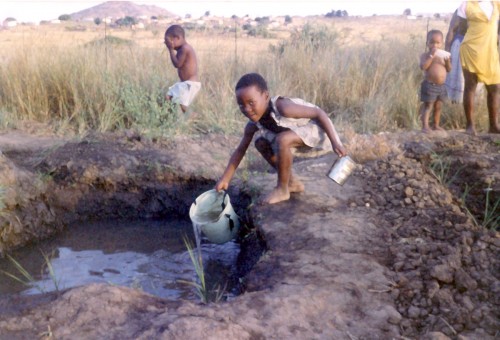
[392, 254]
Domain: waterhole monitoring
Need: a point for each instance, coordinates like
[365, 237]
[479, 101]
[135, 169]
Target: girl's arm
[289, 109]
[236, 157]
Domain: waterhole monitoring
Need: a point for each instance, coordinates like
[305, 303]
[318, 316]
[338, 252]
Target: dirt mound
[446, 265]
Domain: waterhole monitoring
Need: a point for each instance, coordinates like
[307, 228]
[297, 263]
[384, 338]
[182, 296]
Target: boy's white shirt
[486, 6]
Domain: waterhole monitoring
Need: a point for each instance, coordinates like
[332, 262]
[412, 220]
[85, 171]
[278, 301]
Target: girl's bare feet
[438, 128]
[295, 185]
[426, 130]
[276, 196]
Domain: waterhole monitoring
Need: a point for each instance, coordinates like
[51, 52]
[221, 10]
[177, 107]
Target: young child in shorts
[183, 58]
[433, 89]
[283, 124]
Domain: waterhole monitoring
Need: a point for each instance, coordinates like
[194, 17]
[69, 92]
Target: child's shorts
[184, 92]
[430, 92]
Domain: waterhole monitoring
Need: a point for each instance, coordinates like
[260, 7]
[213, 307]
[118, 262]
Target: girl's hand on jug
[221, 185]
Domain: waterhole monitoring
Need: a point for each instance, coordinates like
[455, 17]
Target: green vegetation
[111, 41]
[64, 17]
[337, 14]
[490, 215]
[113, 83]
[441, 169]
[24, 277]
[205, 294]
[127, 21]
[2, 199]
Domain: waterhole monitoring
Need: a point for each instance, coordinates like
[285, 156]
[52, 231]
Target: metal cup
[341, 169]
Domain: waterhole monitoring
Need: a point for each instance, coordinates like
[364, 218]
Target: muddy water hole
[146, 254]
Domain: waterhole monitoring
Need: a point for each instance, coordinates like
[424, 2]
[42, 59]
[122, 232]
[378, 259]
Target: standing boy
[433, 88]
[184, 60]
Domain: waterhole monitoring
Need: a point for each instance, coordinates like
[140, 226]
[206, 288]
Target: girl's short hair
[252, 79]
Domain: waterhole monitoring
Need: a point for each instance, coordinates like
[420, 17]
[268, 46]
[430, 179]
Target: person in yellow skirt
[480, 59]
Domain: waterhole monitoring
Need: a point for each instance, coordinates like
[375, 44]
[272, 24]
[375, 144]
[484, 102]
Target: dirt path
[351, 262]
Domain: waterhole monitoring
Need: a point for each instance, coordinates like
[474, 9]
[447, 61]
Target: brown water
[146, 254]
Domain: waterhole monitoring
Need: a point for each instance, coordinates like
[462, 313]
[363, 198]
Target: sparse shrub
[127, 21]
[263, 20]
[111, 40]
[260, 31]
[77, 28]
[64, 17]
[338, 13]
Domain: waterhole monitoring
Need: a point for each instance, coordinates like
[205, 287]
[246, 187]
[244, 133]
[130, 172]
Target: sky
[36, 10]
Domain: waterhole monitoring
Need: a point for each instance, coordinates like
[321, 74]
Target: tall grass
[371, 87]
[117, 83]
[91, 87]
[205, 294]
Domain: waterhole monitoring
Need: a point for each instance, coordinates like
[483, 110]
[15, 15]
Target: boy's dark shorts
[430, 92]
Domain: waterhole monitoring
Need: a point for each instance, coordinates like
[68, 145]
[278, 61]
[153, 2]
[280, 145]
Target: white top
[486, 6]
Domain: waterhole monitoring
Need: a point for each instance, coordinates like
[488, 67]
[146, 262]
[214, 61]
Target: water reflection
[148, 255]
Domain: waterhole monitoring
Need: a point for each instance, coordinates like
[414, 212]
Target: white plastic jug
[213, 213]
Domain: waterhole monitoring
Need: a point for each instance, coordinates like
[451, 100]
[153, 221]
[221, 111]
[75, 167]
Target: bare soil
[395, 253]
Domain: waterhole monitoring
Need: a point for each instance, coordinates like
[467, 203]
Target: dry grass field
[362, 71]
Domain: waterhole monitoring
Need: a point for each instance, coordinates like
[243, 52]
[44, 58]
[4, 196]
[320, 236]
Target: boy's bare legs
[425, 111]
[185, 109]
[189, 113]
[438, 105]
[265, 149]
[493, 106]
[470, 85]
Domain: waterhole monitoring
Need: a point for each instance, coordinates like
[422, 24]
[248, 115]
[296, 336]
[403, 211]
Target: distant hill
[121, 9]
